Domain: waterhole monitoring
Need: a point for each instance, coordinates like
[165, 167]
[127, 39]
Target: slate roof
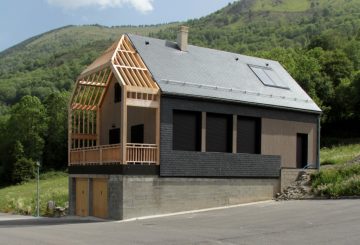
[209, 73]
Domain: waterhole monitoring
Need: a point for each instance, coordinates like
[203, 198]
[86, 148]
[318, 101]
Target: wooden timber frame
[139, 89]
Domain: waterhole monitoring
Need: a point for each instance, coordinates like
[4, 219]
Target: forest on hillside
[317, 41]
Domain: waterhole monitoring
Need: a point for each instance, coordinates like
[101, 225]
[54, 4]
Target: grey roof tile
[209, 73]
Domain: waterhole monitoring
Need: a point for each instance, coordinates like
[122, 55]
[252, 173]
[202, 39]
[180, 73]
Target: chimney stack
[182, 38]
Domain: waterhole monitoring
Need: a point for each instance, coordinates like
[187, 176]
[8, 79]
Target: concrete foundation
[136, 196]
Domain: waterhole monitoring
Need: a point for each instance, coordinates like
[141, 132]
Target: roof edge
[242, 102]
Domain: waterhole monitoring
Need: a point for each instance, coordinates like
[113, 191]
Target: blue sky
[22, 19]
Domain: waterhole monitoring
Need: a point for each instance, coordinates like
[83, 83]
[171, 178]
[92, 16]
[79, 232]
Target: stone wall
[288, 176]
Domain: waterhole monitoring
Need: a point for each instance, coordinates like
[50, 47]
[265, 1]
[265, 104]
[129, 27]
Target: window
[117, 92]
[186, 130]
[218, 133]
[114, 136]
[248, 135]
[137, 134]
[268, 76]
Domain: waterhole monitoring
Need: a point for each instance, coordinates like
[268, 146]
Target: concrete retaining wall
[136, 196]
[144, 196]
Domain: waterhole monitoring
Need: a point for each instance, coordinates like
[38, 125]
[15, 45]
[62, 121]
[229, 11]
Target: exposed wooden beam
[142, 103]
[84, 136]
[123, 131]
[95, 84]
[131, 67]
[142, 90]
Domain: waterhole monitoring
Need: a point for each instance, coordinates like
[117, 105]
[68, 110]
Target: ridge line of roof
[201, 47]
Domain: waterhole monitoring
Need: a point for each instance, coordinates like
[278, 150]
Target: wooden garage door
[82, 197]
[100, 198]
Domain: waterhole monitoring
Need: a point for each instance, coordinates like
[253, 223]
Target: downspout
[318, 144]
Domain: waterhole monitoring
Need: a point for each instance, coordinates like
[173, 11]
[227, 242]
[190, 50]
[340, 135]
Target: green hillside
[51, 61]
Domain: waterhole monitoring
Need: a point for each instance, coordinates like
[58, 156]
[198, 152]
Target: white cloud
[143, 6]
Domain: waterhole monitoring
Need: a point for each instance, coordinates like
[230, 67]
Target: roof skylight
[268, 76]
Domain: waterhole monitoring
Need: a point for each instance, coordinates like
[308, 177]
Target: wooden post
[98, 126]
[123, 131]
[203, 131]
[234, 134]
[100, 155]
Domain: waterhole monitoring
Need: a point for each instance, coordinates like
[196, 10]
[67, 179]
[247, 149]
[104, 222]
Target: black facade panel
[217, 164]
[218, 132]
[248, 135]
[115, 169]
[186, 130]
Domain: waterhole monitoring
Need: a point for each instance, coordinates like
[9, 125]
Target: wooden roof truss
[91, 87]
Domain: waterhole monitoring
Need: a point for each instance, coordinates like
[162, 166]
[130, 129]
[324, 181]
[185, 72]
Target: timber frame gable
[138, 89]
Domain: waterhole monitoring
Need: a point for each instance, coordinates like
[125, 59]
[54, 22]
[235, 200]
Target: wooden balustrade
[111, 154]
[141, 153]
[96, 155]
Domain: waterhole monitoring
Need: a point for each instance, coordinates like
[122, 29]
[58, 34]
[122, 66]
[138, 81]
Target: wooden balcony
[111, 154]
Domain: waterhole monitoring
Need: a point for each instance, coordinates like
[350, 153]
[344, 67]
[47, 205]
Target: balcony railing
[111, 154]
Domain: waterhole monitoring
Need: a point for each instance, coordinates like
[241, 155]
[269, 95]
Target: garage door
[82, 197]
[100, 198]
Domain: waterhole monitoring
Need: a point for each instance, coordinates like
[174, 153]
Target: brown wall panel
[100, 197]
[146, 116]
[82, 193]
[110, 114]
[278, 137]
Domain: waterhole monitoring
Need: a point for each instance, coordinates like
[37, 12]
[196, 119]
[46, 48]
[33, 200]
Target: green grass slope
[21, 199]
[252, 25]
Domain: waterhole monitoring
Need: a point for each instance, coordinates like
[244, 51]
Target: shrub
[342, 181]
[24, 169]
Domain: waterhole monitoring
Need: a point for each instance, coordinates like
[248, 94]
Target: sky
[22, 19]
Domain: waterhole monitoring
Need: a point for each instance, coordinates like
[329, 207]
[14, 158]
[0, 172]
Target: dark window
[268, 76]
[114, 136]
[218, 132]
[301, 150]
[117, 92]
[248, 135]
[186, 130]
[137, 134]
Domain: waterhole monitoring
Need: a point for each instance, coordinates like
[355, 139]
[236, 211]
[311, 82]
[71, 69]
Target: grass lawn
[21, 199]
[339, 154]
[338, 179]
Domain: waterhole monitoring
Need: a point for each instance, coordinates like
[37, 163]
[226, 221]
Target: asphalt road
[291, 222]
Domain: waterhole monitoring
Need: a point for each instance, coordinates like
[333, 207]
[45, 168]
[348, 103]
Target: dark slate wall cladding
[213, 164]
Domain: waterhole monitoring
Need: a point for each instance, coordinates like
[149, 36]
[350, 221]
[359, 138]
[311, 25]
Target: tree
[55, 150]
[23, 169]
[27, 125]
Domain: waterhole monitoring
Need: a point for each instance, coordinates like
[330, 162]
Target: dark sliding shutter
[248, 135]
[186, 130]
[218, 133]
